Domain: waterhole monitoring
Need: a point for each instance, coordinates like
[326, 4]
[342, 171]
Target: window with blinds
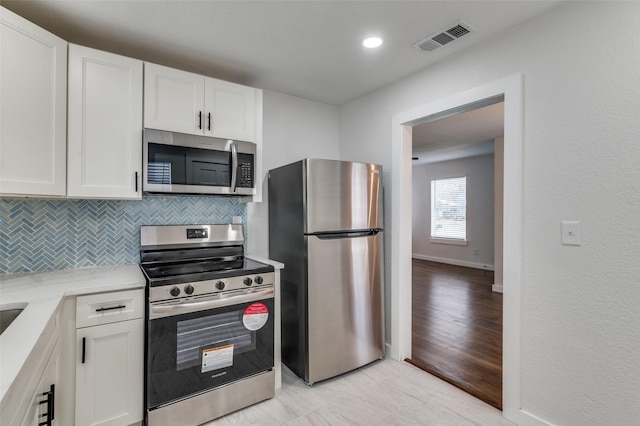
[449, 208]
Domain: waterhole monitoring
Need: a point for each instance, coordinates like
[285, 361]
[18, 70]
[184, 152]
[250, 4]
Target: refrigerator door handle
[346, 234]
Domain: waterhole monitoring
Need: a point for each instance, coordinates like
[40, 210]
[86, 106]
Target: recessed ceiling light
[372, 42]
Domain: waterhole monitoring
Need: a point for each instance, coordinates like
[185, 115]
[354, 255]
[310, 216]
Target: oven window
[204, 335]
[191, 353]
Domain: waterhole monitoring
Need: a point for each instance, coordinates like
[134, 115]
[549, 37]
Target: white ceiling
[466, 134]
[309, 49]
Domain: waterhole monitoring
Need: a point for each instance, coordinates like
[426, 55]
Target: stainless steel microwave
[190, 164]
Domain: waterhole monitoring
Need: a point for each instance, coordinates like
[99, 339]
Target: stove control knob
[174, 291]
[247, 281]
[259, 280]
[220, 285]
[188, 289]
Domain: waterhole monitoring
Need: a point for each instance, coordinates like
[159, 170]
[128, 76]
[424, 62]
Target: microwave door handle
[234, 166]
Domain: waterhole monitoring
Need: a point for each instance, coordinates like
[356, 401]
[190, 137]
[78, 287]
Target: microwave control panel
[245, 171]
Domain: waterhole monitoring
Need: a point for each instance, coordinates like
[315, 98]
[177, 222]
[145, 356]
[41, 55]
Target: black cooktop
[202, 270]
[178, 254]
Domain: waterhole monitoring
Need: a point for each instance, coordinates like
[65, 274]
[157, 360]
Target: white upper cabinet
[230, 110]
[105, 125]
[173, 99]
[33, 120]
[184, 102]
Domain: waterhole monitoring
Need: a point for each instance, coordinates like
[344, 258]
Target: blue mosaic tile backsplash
[43, 235]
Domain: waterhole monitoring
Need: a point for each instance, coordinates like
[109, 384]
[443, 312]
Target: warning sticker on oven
[255, 316]
[216, 358]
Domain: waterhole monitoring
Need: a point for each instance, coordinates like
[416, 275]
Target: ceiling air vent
[444, 36]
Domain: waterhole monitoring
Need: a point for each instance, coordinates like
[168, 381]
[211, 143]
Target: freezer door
[342, 195]
[345, 304]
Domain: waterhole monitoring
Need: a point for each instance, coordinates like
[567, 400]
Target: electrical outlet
[571, 234]
[475, 251]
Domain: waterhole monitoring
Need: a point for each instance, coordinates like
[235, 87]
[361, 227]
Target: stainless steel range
[210, 334]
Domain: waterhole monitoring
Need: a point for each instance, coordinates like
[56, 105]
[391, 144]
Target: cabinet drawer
[105, 308]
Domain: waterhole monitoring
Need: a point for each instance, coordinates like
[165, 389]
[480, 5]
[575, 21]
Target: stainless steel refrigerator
[325, 225]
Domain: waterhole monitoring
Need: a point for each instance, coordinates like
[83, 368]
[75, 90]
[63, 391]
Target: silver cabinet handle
[166, 309]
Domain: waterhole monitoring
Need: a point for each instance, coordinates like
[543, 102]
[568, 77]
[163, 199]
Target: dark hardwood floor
[457, 328]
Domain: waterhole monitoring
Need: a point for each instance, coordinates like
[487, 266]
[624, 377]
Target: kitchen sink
[9, 313]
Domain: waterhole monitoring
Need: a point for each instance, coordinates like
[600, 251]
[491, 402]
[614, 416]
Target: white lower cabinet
[41, 411]
[109, 359]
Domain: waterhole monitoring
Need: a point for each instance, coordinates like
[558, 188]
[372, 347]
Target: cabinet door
[105, 125]
[33, 109]
[39, 411]
[109, 384]
[173, 100]
[231, 110]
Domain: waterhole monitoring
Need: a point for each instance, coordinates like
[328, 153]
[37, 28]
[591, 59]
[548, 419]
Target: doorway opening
[511, 90]
[456, 221]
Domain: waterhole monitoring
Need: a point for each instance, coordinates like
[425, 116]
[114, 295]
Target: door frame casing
[400, 346]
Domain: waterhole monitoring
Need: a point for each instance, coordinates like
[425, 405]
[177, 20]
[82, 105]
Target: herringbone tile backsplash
[42, 235]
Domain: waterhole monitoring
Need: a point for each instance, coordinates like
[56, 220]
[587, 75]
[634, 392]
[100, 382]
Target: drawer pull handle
[84, 348]
[111, 308]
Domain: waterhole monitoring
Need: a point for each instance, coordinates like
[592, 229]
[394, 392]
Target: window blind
[449, 208]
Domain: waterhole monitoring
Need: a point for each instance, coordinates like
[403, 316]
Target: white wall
[480, 217]
[293, 129]
[580, 308]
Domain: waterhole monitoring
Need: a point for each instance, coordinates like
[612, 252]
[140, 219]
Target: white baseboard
[497, 288]
[524, 418]
[454, 262]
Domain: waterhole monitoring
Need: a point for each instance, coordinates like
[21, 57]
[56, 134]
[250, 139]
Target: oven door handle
[170, 309]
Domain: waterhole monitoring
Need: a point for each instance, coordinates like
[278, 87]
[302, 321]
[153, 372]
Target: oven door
[204, 343]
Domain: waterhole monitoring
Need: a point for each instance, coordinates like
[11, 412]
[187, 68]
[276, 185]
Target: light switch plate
[571, 235]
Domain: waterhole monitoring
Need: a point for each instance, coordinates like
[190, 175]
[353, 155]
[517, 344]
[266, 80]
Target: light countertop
[43, 293]
[274, 263]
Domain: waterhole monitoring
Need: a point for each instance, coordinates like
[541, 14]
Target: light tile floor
[387, 392]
